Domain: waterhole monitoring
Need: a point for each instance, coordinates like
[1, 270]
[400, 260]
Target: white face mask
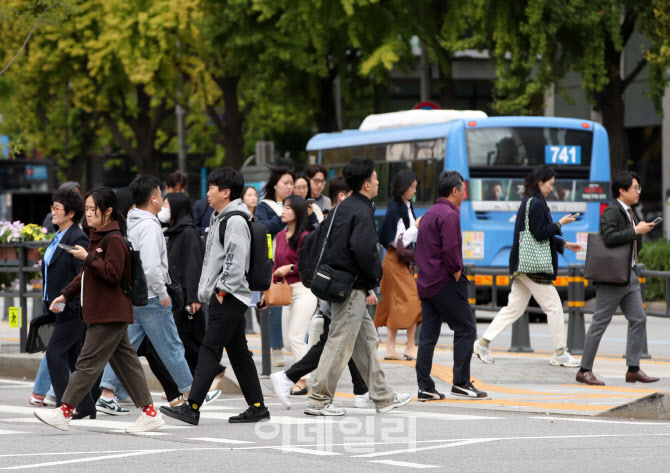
[164, 215]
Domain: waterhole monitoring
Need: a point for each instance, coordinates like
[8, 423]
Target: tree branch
[634, 73]
[118, 136]
[167, 141]
[25, 43]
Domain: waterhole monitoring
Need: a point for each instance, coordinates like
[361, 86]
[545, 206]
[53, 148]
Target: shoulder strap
[527, 210]
[125, 285]
[224, 222]
[105, 240]
[325, 241]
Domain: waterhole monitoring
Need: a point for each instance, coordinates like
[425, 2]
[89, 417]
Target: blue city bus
[493, 154]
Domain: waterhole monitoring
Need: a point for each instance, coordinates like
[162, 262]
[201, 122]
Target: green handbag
[534, 256]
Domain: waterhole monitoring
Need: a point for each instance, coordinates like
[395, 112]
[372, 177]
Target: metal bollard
[576, 324]
[521, 335]
[266, 358]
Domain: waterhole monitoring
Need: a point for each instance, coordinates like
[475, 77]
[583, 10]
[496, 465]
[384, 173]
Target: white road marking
[660, 422]
[308, 451]
[433, 447]
[82, 460]
[103, 424]
[218, 440]
[404, 464]
[16, 381]
[9, 432]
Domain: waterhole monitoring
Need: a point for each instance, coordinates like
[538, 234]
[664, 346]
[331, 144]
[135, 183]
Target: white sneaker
[482, 352]
[146, 423]
[566, 359]
[363, 401]
[329, 410]
[211, 397]
[282, 386]
[49, 401]
[398, 401]
[54, 418]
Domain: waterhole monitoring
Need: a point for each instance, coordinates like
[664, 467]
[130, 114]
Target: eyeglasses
[55, 209]
[300, 188]
[637, 189]
[318, 182]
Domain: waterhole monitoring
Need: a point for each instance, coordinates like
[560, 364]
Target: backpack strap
[224, 222]
[125, 285]
[203, 208]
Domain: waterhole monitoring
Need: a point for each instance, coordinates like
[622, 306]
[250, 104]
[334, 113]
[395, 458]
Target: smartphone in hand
[310, 201]
[66, 247]
[657, 220]
[576, 215]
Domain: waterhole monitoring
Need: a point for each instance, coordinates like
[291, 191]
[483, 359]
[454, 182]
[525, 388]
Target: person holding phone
[620, 226]
[302, 187]
[537, 186]
[59, 268]
[107, 310]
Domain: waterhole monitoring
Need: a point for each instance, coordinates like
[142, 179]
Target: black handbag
[607, 264]
[40, 332]
[176, 293]
[330, 284]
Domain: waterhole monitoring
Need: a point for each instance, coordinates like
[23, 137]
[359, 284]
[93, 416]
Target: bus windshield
[528, 146]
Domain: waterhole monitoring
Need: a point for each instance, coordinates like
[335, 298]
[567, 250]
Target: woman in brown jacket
[107, 311]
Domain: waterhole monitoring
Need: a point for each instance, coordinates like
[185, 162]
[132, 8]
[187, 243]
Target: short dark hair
[143, 187]
[401, 182]
[72, 202]
[276, 173]
[175, 178]
[539, 174]
[314, 169]
[227, 178]
[357, 172]
[623, 180]
[337, 185]
[447, 181]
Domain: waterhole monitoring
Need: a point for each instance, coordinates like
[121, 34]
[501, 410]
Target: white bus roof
[417, 117]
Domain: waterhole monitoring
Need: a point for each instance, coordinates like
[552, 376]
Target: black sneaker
[182, 412]
[429, 395]
[468, 390]
[253, 414]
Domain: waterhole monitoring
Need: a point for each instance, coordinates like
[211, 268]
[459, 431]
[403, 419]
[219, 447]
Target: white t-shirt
[408, 235]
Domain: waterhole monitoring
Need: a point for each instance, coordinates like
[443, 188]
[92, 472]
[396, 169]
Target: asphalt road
[417, 436]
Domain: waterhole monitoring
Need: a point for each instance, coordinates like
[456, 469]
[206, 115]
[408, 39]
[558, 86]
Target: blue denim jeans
[276, 340]
[157, 323]
[43, 380]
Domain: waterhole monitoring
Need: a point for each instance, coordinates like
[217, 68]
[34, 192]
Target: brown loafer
[588, 378]
[640, 376]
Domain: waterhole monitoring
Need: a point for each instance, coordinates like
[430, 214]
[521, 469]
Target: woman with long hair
[250, 197]
[269, 212]
[535, 211]
[303, 188]
[107, 311]
[296, 315]
[400, 307]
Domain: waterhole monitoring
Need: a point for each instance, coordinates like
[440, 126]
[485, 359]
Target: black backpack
[308, 255]
[137, 289]
[259, 276]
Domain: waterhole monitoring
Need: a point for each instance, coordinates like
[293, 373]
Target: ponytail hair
[104, 199]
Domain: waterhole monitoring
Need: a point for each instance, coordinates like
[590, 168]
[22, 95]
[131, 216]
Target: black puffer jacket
[353, 241]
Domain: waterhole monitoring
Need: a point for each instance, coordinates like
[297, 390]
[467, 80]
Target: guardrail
[25, 254]
[573, 278]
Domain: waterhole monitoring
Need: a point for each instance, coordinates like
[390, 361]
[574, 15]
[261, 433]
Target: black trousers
[225, 329]
[63, 350]
[449, 305]
[191, 332]
[310, 361]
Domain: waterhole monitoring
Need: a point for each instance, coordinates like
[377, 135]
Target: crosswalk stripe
[218, 440]
[103, 424]
[9, 432]
[403, 464]
[308, 451]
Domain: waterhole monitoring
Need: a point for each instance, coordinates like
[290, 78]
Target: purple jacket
[439, 252]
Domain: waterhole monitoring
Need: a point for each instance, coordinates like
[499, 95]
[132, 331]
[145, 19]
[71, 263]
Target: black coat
[62, 269]
[353, 241]
[542, 227]
[616, 229]
[186, 251]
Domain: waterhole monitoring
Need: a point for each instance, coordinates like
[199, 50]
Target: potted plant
[10, 236]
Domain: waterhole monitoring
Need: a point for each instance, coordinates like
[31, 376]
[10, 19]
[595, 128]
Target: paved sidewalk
[523, 382]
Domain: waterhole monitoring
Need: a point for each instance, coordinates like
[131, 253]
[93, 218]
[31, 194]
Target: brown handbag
[607, 264]
[405, 253]
[279, 294]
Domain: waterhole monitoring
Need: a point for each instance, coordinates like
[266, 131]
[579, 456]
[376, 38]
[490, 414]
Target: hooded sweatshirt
[144, 232]
[227, 262]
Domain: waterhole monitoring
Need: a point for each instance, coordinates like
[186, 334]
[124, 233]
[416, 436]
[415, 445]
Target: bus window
[528, 146]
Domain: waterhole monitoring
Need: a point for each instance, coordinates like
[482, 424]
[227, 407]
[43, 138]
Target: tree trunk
[233, 129]
[613, 111]
[326, 119]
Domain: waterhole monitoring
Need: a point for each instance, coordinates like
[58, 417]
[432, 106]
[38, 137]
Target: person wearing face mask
[268, 212]
[155, 319]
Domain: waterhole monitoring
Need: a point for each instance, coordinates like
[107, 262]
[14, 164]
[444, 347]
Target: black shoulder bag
[330, 284]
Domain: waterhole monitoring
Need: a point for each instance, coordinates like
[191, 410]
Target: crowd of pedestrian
[194, 262]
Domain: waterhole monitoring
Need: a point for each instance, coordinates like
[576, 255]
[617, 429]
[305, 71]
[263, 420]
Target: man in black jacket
[620, 226]
[352, 332]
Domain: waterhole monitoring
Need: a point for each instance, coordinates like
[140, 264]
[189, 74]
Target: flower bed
[33, 238]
